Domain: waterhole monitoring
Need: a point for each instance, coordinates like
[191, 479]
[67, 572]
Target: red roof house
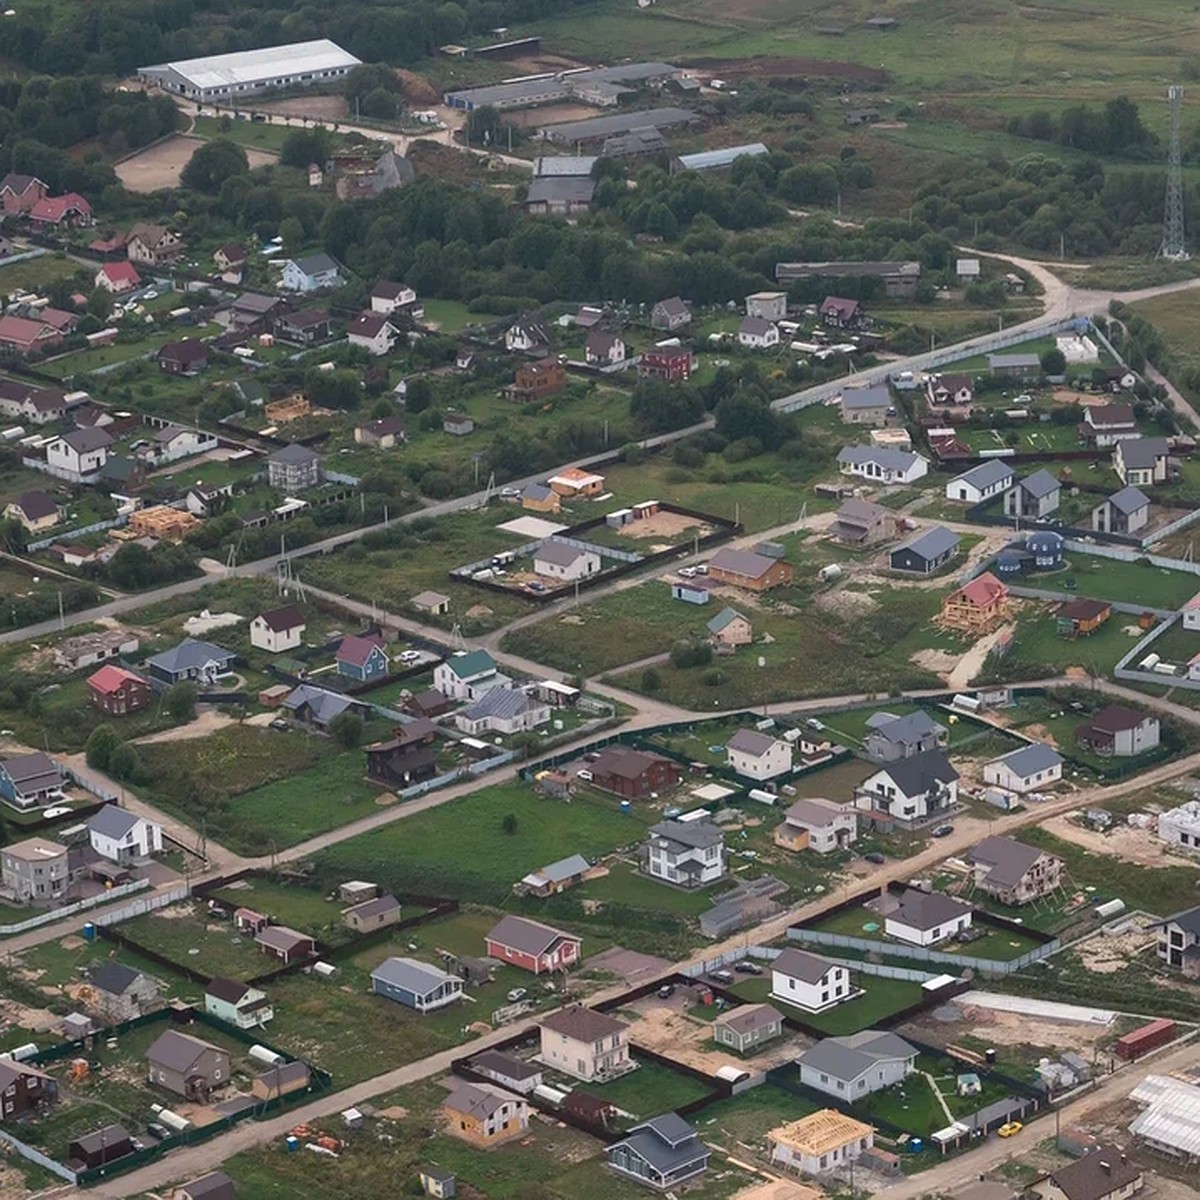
[71, 209]
[976, 605]
[361, 658]
[117, 691]
[532, 945]
[24, 335]
[118, 277]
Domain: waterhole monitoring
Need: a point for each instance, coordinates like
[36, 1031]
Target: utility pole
[1173, 248]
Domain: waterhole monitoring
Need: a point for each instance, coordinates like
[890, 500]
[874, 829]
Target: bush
[346, 729]
[180, 702]
[651, 680]
[101, 743]
[691, 654]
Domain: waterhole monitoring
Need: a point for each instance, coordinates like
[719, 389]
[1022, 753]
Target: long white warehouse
[300, 64]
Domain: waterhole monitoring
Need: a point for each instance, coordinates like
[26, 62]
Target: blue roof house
[192, 659]
[415, 984]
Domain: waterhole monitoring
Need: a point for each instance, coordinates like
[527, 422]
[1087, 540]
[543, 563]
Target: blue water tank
[625, 806]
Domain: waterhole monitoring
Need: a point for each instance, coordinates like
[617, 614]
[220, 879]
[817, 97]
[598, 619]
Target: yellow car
[1007, 1130]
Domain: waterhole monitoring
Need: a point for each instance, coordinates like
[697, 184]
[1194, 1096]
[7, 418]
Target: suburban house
[975, 606]
[429, 703]
[949, 389]
[503, 710]
[278, 941]
[1179, 942]
[689, 854]
[537, 497]
[1078, 618]
[534, 380]
[154, 245]
[384, 433]
[923, 918]
[574, 482]
[400, 764]
[809, 981]
[230, 258]
[388, 297]
[317, 707]
[36, 511]
[19, 193]
[757, 334]
[560, 196]
[728, 630]
[36, 405]
[119, 993]
[555, 877]
[310, 273]
[252, 312]
[1015, 366]
[866, 405]
[822, 1142]
[1142, 462]
[882, 464]
[911, 790]
[24, 334]
[755, 755]
[24, 1088]
[633, 773]
[372, 332]
[527, 335]
[1028, 769]
[214, 1186]
[771, 306]
[603, 349]
[981, 483]
[855, 1066]
[1118, 732]
[186, 1065]
[370, 915]
[840, 313]
[467, 675]
[816, 824]
[672, 363]
[35, 871]
[747, 1026]
[237, 1003]
[436, 1182]
[29, 780]
[1102, 425]
[484, 1115]
[278, 629]
[508, 1070]
[532, 946]
[89, 648]
[746, 569]
[100, 1146]
[670, 314]
[584, 1043]
[192, 659]
[889, 737]
[1180, 826]
[305, 327]
[1013, 873]
[434, 603]
[415, 984]
[1036, 495]
[188, 357]
[664, 1153]
[361, 658]
[122, 836]
[564, 562]
[1104, 1173]
[77, 456]
[293, 468]
[925, 553]
[1125, 511]
[862, 523]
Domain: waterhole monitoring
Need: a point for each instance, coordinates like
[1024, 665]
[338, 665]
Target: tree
[380, 104]
[212, 164]
[484, 126]
[347, 729]
[180, 702]
[302, 147]
[508, 824]
[1054, 362]
[101, 743]
[418, 395]
[124, 763]
[100, 304]
[651, 680]
[291, 229]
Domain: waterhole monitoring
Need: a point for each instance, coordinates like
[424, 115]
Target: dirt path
[208, 721]
[972, 662]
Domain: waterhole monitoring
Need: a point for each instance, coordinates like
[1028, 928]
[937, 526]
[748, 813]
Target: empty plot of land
[1124, 842]
[326, 108]
[631, 965]
[663, 524]
[531, 527]
[161, 166]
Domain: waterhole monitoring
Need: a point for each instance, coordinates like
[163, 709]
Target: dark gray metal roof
[933, 543]
[800, 964]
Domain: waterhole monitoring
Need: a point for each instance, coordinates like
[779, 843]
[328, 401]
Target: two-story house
[187, 1065]
[755, 755]
[278, 629]
[1013, 873]
[817, 824]
[35, 871]
[24, 1088]
[1117, 731]
[485, 1115]
[122, 836]
[237, 1003]
[311, 273]
[584, 1044]
[388, 297]
[689, 854]
[155, 245]
[1142, 462]
[809, 981]
[910, 790]
[293, 468]
[468, 675]
[1179, 942]
[372, 332]
[889, 737]
[77, 456]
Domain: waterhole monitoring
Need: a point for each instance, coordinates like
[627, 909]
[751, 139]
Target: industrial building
[222, 76]
[602, 86]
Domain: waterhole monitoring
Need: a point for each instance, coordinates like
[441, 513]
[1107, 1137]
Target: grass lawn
[880, 999]
[998, 945]
[33, 273]
[80, 362]
[625, 885]
[650, 1090]
[750, 1116]
[257, 135]
[1131, 582]
[305, 909]
[1037, 640]
[213, 947]
[911, 1105]
[450, 316]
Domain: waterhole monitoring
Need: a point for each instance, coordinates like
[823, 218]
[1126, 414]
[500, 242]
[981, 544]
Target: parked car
[1009, 1128]
[747, 967]
[58, 810]
[517, 994]
[666, 991]
[942, 831]
[874, 857]
[725, 977]
[585, 775]
[410, 656]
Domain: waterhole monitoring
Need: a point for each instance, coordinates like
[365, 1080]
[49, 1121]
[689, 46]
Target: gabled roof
[800, 964]
[474, 662]
[505, 1064]
[358, 651]
[1105, 416]
[624, 762]
[1116, 718]
[1084, 610]
[113, 822]
[921, 772]
[21, 768]
[749, 1018]
[322, 704]
[385, 289]
[886, 457]
[840, 305]
[280, 937]
[986, 475]
[229, 990]
[556, 872]
[667, 1144]
[187, 351]
[1106, 1171]
[673, 306]
[750, 741]
[690, 835]
[876, 396]
[368, 325]
[115, 978]
[1129, 500]
[817, 812]
[411, 975]
[177, 1051]
[933, 543]
[191, 654]
[984, 590]
[83, 441]
[499, 703]
[378, 907]
[278, 620]
[121, 272]
[35, 505]
[215, 1186]
[928, 910]
[1029, 760]
[724, 619]
[558, 554]
[846, 1058]
[528, 937]
[479, 1100]
[755, 327]
[908, 729]
[1007, 860]
[741, 562]
[583, 1024]
[1039, 484]
[1142, 453]
[1187, 920]
[314, 264]
[856, 511]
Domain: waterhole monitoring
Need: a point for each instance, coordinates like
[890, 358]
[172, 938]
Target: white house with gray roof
[1125, 511]
[889, 737]
[866, 406]
[1028, 769]
[910, 790]
[855, 1066]
[1013, 873]
[923, 918]
[503, 710]
[415, 984]
[925, 553]
[814, 823]
[563, 562]
[1142, 462]
[882, 464]
[759, 756]
[689, 854]
[747, 1026]
[981, 483]
[122, 836]
[809, 981]
[1036, 495]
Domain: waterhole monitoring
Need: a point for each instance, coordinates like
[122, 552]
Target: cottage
[757, 334]
[1102, 425]
[689, 854]
[36, 405]
[1125, 511]
[728, 629]
[850, 1068]
[758, 756]
[528, 335]
[278, 629]
[1142, 462]
[1078, 618]
[24, 334]
[816, 824]
[155, 245]
[537, 497]
[945, 390]
[664, 361]
[1035, 496]
[862, 523]
[1115, 732]
[555, 877]
[981, 483]
[535, 380]
[397, 764]
[119, 993]
[19, 193]
[977, 605]
[311, 273]
[388, 297]
[820, 1143]
[633, 774]
[510, 1072]
[866, 405]
[663, 1154]
[584, 1044]
[415, 984]
[23, 1089]
[565, 563]
[372, 332]
[670, 314]
[809, 981]
[288, 946]
[1179, 942]
[1013, 873]
[195, 660]
[603, 349]
[882, 464]
[100, 1148]
[467, 675]
[30, 780]
[1029, 769]
[484, 1115]
[748, 1026]
[428, 703]
[746, 569]
[36, 511]
[385, 433]
[77, 456]
[122, 836]
[770, 306]
[188, 357]
[293, 468]
[187, 1066]
[35, 871]
[532, 946]
[230, 257]
[503, 710]
[889, 737]
[214, 1186]
[924, 918]
[926, 553]
[1015, 366]
[317, 707]
[361, 658]
[574, 482]
[372, 914]
[237, 1003]
[1106, 1173]
[911, 790]
[839, 313]
[254, 313]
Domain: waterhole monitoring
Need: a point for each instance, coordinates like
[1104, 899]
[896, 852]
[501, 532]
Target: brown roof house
[285, 944]
[152, 244]
[214, 1186]
[372, 914]
[1013, 873]
[745, 569]
[585, 1044]
[1106, 1173]
[1117, 731]
[24, 1088]
[187, 1066]
[633, 773]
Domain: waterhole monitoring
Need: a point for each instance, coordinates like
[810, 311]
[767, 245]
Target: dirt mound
[735, 69]
[419, 92]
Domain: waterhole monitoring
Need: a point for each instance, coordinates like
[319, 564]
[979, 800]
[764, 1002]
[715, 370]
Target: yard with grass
[186, 935]
[32, 273]
[650, 1090]
[880, 998]
[256, 135]
[1131, 582]
[298, 907]
[748, 1118]
[1037, 640]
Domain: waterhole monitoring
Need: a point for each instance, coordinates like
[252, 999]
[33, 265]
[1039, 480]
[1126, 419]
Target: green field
[256, 135]
[211, 947]
[32, 273]
[1130, 582]
[1037, 640]
[305, 909]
